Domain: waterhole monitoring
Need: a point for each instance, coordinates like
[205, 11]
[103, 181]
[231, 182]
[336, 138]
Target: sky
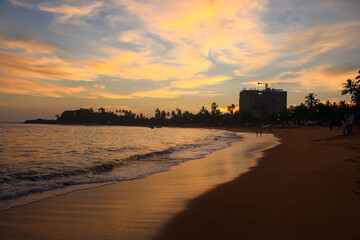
[141, 55]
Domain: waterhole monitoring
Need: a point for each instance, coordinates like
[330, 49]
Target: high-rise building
[269, 101]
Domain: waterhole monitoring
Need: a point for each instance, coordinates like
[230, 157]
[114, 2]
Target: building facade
[269, 101]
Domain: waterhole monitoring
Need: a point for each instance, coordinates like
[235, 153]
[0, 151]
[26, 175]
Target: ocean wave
[22, 184]
[202, 148]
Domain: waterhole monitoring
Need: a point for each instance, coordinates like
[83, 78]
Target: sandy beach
[305, 188]
[135, 209]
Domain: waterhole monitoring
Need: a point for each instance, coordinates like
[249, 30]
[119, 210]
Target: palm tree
[349, 87]
[342, 104]
[311, 100]
[179, 112]
[358, 77]
[353, 88]
[157, 113]
[214, 107]
[231, 108]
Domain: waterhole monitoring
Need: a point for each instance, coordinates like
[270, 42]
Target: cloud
[163, 93]
[157, 93]
[287, 75]
[132, 37]
[28, 45]
[318, 79]
[69, 13]
[302, 47]
[191, 28]
[22, 4]
[230, 29]
[141, 65]
[102, 87]
[96, 94]
[47, 68]
[28, 71]
[342, 69]
[196, 82]
[171, 42]
[25, 87]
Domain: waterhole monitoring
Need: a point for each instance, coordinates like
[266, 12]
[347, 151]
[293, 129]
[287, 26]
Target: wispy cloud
[28, 45]
[46, 68]
[200, 81]
[157, 93]
[231, 30]
[141, 65]
[183, 48]
[22, 4]
[303, 47]
[318, 79]
[25, 87]
[69, 13]
[163, 93]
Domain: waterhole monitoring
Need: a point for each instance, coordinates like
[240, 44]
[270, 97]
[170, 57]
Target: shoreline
[34, 193]
[54, 192]
[308, 187]
[148, 203]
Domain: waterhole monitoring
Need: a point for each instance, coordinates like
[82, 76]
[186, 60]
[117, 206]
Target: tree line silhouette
[311, 111]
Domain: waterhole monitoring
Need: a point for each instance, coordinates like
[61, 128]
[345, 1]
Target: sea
[41, 161]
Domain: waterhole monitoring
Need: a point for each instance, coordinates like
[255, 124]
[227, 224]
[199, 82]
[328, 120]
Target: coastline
[133, 209]
[305, 188]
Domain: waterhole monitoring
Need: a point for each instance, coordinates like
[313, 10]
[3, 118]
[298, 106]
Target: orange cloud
[197, 26]
[104, 94]
[26, 87]
[48, 68]
[135, 65]
[28, 45]
[29, 71]
[318, 79]
[132, 37]
[191, 83]
[163, 93]
[157, 93]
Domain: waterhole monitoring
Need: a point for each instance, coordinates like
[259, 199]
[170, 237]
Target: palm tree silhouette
[311, 101]
[214, 107]
[358, 77]
[353, 88]
[231, 108]
[350, 87]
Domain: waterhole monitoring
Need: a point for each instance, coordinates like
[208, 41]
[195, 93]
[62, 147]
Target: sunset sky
[144, 54]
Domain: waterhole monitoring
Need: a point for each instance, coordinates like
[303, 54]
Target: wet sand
[135, 209]
[308, 187]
